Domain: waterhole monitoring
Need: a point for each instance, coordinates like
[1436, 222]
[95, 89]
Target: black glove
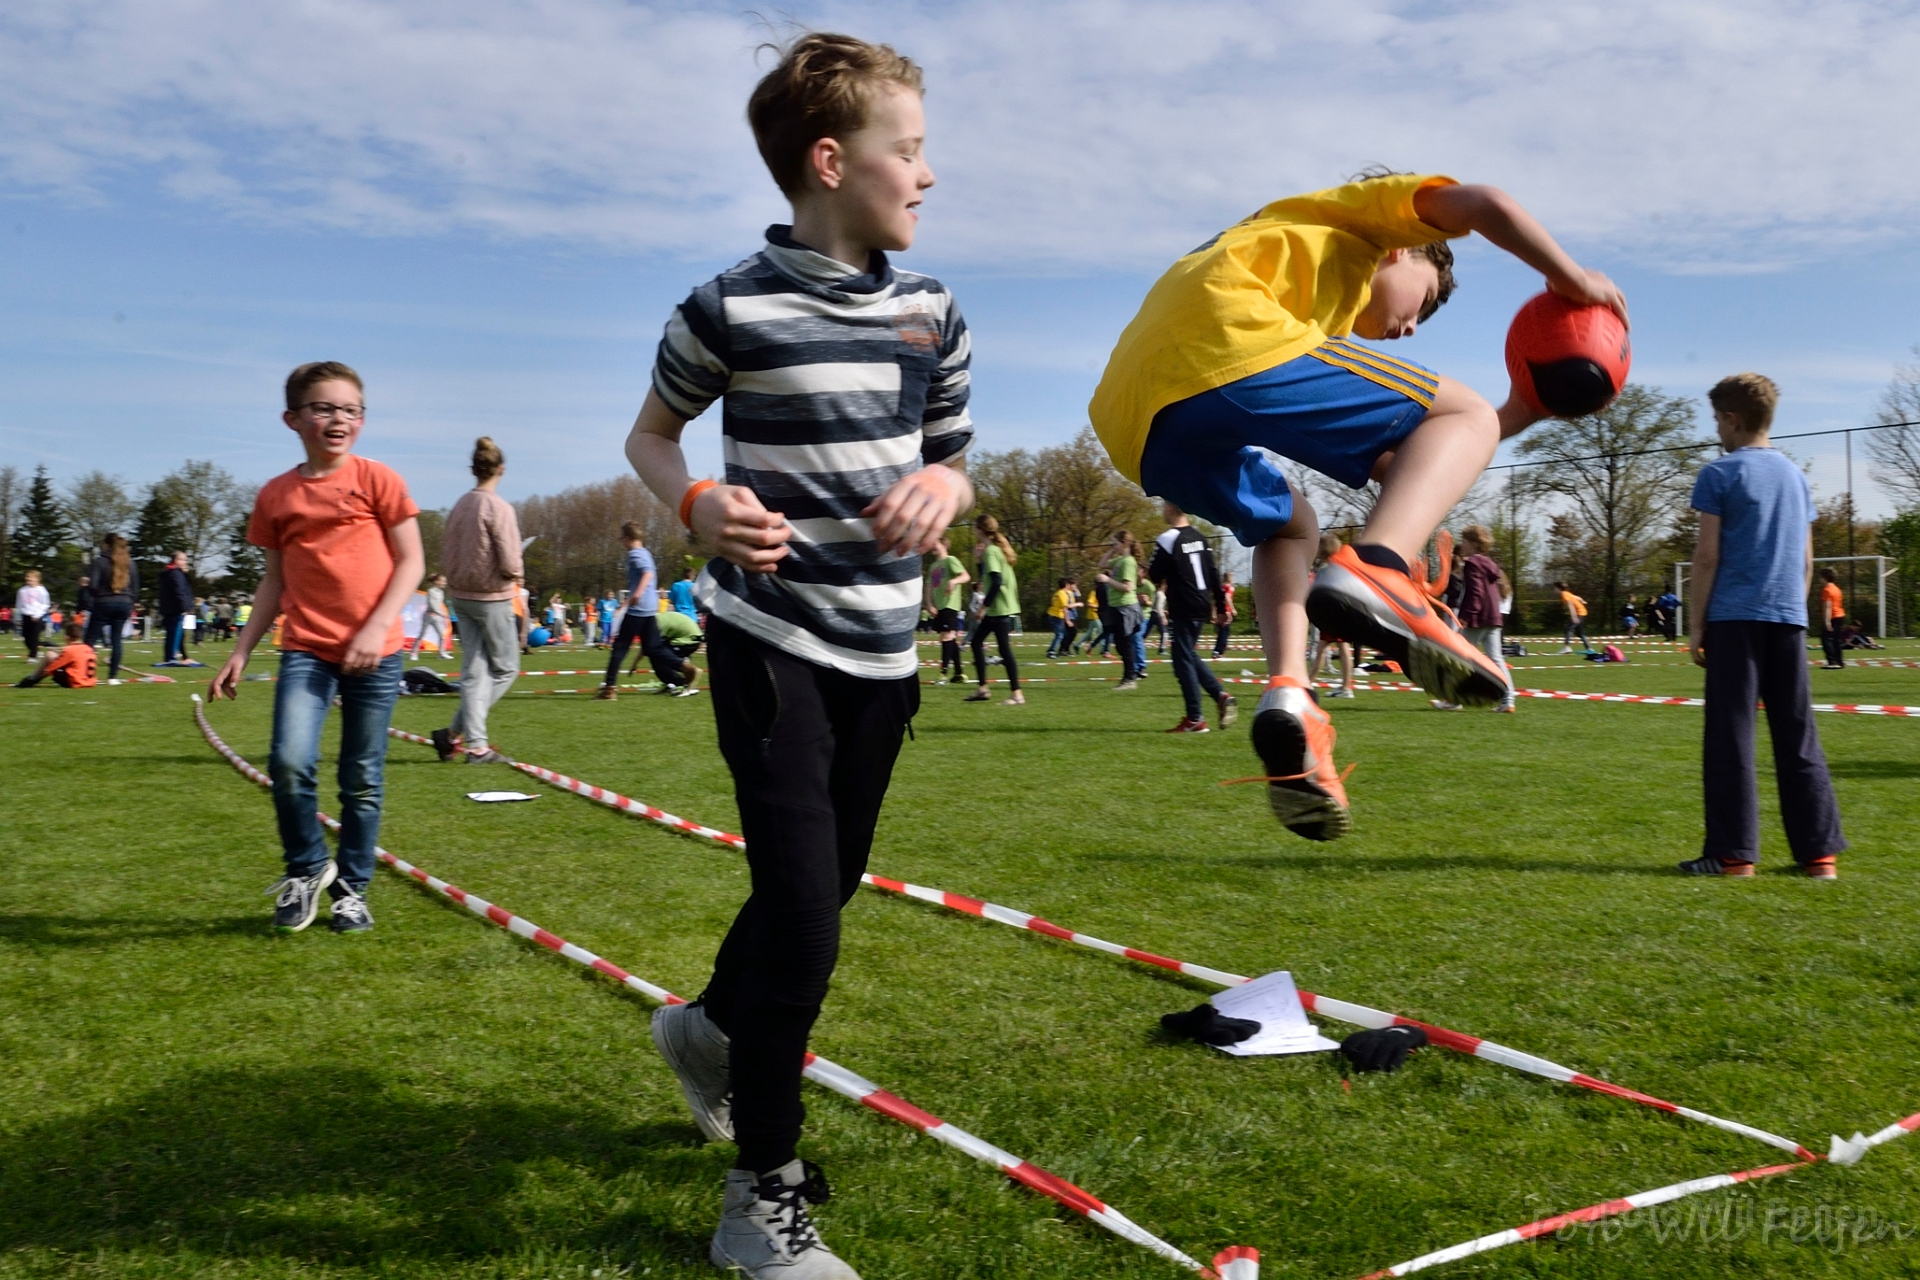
[1206, 1025]
[1385, 1049]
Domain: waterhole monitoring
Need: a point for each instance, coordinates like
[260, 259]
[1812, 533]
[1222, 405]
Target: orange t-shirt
[78, 661]
[335, 563]
[1830, 596]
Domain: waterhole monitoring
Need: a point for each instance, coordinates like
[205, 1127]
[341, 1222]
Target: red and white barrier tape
[1357, 1014]
[1561, 695]
[1849, 1150]
[820, 1070]
[1592, 1213]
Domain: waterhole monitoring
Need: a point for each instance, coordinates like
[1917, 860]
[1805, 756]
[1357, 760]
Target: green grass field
[186, 1094]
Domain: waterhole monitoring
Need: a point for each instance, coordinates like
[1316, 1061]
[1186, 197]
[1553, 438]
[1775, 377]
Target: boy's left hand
[364, 652]
[918, 509]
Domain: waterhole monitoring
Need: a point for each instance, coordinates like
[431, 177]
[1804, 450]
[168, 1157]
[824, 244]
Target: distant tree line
[1599, 502]
[199, 509]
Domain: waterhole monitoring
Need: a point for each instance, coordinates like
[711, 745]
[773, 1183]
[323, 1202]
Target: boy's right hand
[740, 529]
[227, 683]
[1591, 288]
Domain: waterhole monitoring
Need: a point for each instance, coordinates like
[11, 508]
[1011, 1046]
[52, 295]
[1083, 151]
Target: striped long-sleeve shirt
[834, 384]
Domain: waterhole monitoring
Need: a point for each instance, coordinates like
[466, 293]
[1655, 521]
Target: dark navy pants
[1749, 662]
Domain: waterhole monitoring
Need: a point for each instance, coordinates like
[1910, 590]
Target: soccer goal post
[1882, 570]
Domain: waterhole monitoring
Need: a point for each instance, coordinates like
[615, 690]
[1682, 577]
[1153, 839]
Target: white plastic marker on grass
[1592, 1213]
[1357, 1014]
[1849, 1150]
[821, 1071]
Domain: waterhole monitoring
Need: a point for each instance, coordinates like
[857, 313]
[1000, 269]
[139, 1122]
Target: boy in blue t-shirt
[1752, 569]
[640, 620]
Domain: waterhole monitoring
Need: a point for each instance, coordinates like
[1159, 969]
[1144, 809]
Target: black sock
[1378, 556]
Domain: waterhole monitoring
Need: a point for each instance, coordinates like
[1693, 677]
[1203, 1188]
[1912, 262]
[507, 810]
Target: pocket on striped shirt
[917, 371]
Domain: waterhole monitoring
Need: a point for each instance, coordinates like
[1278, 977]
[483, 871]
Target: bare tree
[1896, 450]
[1624, 473]
[576, 536]
[98, 504]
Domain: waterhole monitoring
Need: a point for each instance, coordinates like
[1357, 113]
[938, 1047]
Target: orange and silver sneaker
[1388, 610]
[1295, 740]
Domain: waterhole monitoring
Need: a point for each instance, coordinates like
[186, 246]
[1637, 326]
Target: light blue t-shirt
[1765, 509]
[639, 565]
[681, 593]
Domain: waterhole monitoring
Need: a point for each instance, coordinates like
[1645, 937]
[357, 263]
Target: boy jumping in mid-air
[843, 385]
[1243, 347]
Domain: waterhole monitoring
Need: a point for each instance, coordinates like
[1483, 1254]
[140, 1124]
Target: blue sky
[489, 208]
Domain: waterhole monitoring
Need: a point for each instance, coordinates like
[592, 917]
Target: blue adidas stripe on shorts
[1335, 409]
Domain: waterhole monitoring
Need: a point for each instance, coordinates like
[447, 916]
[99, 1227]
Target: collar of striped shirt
[815, 269]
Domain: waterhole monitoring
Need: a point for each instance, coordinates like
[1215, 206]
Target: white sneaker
[766, 1232]
[1343, 693]
[698, 1052]
[1439, 705]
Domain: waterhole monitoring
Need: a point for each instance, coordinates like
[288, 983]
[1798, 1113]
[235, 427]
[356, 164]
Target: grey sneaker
[697, 1052]
[299, 898]
[1229, 710]
[766, 1232]
[1126, 686]
[484, 755]
[350, 914]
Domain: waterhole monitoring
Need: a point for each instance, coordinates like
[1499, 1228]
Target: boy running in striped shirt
[1242, 350]
[843, 385]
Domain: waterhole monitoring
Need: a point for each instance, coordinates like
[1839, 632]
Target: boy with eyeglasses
[343, 553]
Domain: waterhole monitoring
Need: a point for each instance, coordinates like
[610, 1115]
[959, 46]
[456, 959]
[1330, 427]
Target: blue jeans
[1059, 637]
[300, 703]
[175, 644]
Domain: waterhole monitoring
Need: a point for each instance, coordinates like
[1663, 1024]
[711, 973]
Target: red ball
[1565, 358]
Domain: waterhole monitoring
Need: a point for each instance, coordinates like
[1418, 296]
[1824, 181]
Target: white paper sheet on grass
[1272, 1002]
[498, 797]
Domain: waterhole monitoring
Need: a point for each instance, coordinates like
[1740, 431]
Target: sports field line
[1340, 1010]
[820, 1070]
[1592, 1213]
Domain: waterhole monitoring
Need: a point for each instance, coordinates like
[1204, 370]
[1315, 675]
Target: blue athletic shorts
[1336, 409]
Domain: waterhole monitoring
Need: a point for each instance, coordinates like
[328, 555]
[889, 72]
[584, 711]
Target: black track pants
[811, 752]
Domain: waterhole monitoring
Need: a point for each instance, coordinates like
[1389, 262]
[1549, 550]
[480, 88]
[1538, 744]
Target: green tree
[156, 536]
[1896, 450]
[205, 501]
[97, 504]
[243, 563]
[1623, 474]
[41, 530]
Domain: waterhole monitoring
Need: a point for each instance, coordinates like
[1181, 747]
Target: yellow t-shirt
[1575, 605]
[1062, 601]
[1263, 292]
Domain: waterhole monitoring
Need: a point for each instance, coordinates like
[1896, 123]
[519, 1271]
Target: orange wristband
[694, 490]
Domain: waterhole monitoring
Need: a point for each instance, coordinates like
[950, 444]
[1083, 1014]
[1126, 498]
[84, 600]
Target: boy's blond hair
[1749, 397]
[823, 87]
[1479, 535]
[302, 380]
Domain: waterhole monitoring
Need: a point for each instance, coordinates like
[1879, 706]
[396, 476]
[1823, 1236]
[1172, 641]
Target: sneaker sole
[328, 876]
[709, 1124]
[1301, 806]
[1345, 609]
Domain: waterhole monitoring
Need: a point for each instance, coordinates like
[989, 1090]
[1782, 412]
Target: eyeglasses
[321, 410]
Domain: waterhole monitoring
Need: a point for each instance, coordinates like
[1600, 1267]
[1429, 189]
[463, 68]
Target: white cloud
[1697, 135]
